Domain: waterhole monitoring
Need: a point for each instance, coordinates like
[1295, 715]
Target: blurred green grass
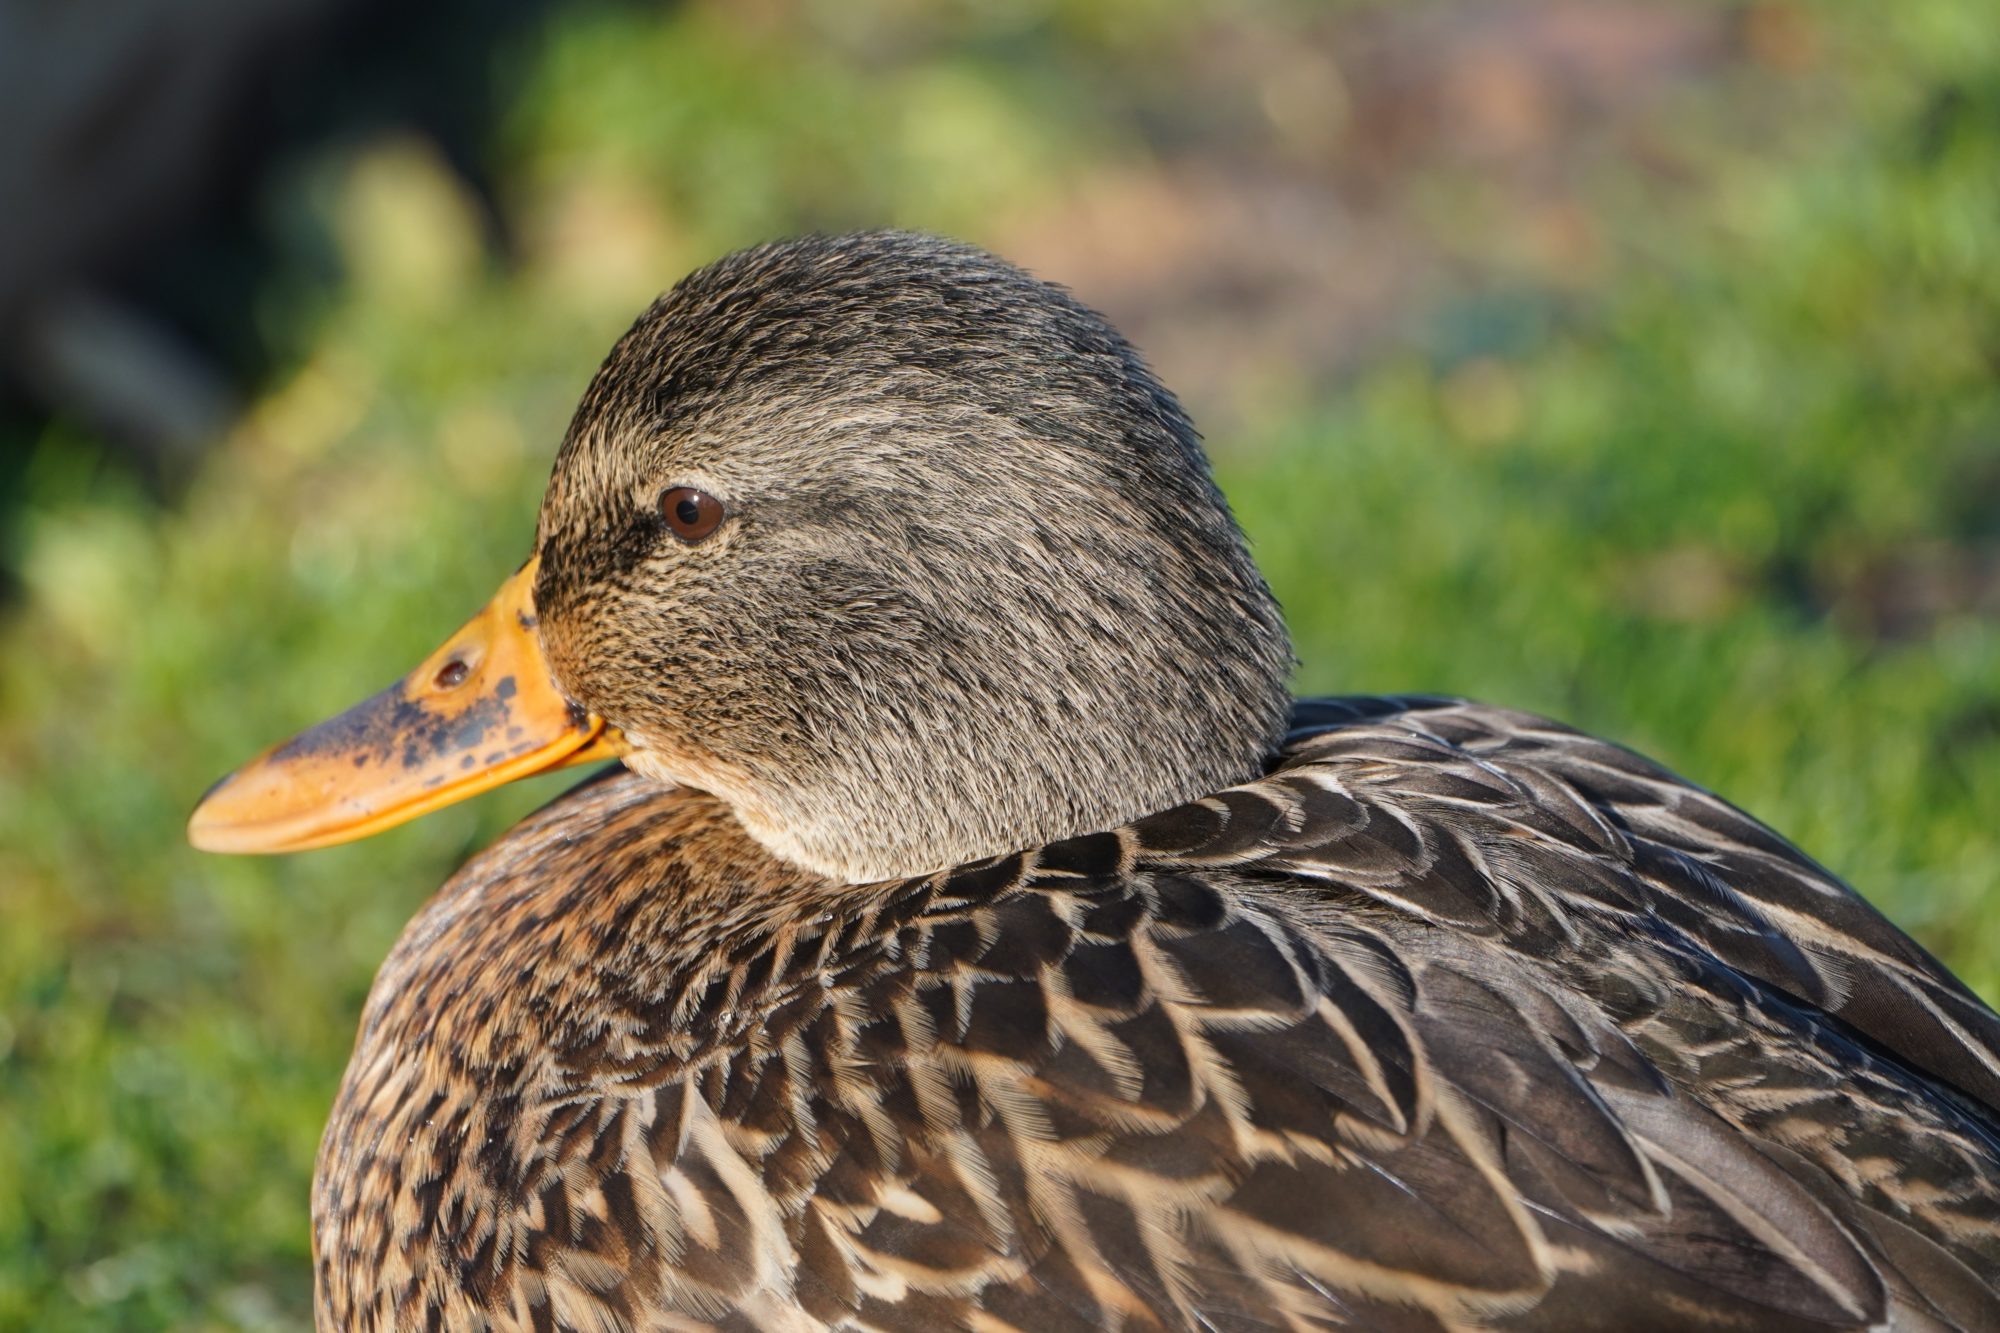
[1720, 479]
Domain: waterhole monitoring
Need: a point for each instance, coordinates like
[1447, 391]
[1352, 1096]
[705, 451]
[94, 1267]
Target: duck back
[1455, 1018]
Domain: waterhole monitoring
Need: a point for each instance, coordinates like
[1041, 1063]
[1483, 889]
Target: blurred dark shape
[1902, 594]
[136, 135]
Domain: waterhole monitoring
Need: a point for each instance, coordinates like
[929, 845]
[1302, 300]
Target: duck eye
[692, 514]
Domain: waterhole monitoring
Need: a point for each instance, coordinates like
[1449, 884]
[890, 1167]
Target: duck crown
[908, 556]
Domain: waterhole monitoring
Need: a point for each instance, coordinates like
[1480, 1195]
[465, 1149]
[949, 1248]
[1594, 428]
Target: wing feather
[1456, 1019]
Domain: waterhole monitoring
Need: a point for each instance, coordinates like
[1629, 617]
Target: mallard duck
[977, 936]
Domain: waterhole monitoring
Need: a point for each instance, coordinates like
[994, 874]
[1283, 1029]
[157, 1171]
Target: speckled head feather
[975, 589]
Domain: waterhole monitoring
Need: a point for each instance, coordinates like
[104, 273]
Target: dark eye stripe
[691, 515]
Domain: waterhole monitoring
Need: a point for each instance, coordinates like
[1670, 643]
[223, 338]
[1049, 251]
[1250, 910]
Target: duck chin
[777, 835]
[661, 769]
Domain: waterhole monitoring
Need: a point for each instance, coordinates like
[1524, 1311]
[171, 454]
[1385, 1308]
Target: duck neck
[974, 766]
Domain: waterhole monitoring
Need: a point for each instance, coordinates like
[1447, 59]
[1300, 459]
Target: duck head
[901, 552]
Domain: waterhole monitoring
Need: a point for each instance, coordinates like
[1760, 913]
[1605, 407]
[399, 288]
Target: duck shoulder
[1455, 1019]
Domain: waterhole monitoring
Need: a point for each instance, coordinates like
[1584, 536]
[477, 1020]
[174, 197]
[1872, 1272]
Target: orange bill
[482, 710]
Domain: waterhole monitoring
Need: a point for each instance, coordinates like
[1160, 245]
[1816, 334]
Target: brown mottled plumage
[1442, 1017]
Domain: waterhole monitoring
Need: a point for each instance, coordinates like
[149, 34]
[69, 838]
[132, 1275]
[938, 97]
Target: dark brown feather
[1456, 1019]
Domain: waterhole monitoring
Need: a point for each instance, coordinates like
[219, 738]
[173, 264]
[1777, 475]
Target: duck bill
[482, 710]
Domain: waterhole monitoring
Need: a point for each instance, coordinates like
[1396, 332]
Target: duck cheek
[482, 710]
